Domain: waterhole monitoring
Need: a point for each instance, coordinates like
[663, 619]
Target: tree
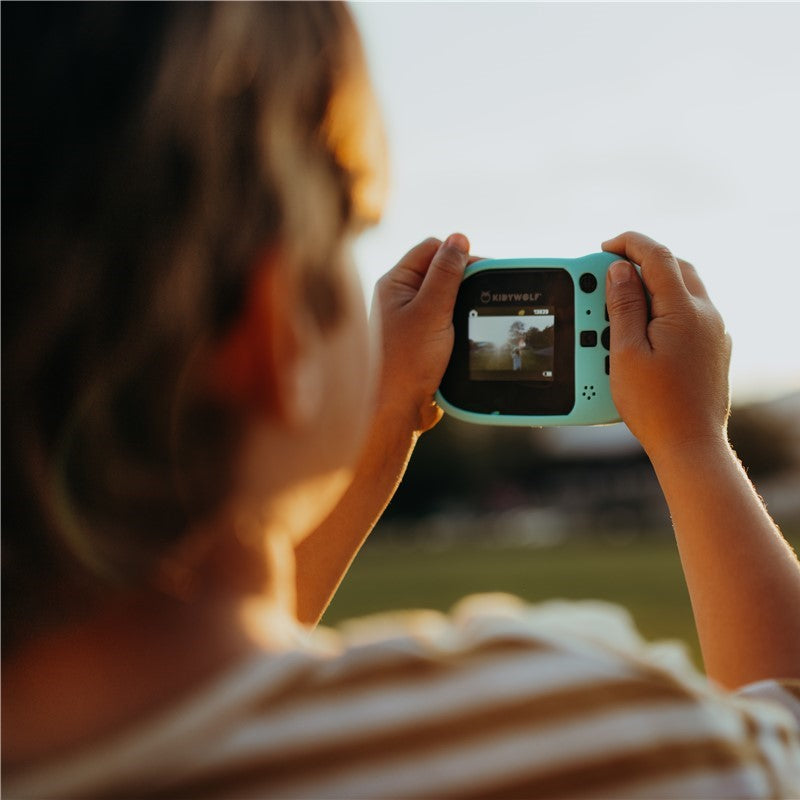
[538, 339]
[516, 333]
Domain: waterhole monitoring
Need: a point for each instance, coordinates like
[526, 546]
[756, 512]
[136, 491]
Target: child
[198, 438]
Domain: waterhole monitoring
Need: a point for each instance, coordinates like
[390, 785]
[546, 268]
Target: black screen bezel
[550, 397]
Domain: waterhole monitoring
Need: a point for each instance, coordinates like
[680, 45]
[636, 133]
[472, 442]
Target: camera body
[531, 343]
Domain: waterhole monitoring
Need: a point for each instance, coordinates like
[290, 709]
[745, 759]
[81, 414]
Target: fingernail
[457, 241]
[620, 272]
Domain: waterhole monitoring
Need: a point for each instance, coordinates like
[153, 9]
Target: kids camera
[531, 343]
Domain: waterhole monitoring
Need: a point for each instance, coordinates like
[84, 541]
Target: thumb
[444, 276]
[627, 307]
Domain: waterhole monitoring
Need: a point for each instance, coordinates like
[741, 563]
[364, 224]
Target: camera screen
[511, 343]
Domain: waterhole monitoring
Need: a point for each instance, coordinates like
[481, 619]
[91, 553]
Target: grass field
[643, 575]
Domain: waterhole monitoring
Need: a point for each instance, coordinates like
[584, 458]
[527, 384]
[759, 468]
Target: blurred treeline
[579, 479]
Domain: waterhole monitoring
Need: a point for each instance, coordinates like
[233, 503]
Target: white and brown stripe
[518, 714]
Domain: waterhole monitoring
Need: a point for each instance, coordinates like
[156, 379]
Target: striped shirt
[498, 700]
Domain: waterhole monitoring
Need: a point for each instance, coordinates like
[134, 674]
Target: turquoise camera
[532, 342]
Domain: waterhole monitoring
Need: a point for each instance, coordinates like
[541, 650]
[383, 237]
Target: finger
[440, 286]
[412, 267]
[660, 271]
[692, 280]
[627, 308]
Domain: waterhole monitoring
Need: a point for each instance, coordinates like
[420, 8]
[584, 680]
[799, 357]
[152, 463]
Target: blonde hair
[153, 155]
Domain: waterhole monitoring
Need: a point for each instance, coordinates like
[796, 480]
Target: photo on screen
[505, 346]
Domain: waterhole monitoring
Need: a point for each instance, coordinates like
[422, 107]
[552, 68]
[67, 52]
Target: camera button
[605, 338]
[608, 365]
[587, 282]
[588, 338]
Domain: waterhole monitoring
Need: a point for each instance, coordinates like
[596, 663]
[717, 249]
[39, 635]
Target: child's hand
[669, 376]
[413, 304]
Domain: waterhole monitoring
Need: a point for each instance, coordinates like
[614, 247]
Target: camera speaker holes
[589, 392]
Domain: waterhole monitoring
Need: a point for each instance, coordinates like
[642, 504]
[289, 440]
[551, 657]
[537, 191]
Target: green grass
[644, 576]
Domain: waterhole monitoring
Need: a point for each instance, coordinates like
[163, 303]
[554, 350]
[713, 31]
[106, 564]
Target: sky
[541, 129]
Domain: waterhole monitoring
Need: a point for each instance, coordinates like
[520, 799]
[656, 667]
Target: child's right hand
[669, 374]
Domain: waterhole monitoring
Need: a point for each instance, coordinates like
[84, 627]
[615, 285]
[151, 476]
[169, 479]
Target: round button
[587, 282]
[605, 338]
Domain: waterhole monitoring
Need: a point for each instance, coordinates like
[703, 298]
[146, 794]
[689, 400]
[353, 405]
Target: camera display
[514, 342]
[511, 346]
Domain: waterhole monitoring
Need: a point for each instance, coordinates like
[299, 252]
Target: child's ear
[271, 362]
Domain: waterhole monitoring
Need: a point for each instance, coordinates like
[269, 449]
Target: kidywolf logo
[513, 297]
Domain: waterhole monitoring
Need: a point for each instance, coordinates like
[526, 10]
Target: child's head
[180, 182]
